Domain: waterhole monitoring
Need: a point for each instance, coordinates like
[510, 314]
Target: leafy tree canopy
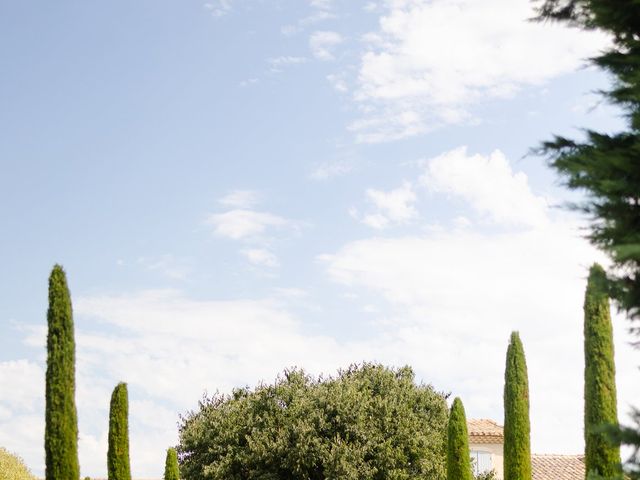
[368, 422]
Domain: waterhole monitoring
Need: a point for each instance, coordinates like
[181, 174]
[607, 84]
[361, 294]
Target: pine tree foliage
[458, 455]
[517, 448]
[606, 167]
[61, 421]
[600, 404]
[118, 454]
[171, 470]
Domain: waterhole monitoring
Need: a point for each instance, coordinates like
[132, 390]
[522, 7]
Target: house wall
[495, 449]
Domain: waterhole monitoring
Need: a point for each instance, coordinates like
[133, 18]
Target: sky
[236, 187]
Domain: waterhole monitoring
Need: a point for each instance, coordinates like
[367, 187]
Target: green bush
[13, 468]
[368, 422]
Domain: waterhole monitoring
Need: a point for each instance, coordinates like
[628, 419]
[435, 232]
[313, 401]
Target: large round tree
[458, 455]
[600, 409]
[118, 453]
[367, 422]
[61, 420]
[517, 449]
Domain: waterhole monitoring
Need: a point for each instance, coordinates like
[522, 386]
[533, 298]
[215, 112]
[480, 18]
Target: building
[486, 439]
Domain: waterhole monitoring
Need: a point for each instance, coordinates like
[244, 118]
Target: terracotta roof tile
[483, 430]
[557, 467]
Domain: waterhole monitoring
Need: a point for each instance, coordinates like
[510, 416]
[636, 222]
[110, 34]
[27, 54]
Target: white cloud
[331, 169]
[240, 199]
[397, 205]
[219, 8]
[278, 63]
[248, 82]
[488, 185]
[338, 82]
[261, 257]
[322, 10]
[432, 61]
[22, 410]
[453, 297]
[167, 265]
[322, 44]
[241, 223]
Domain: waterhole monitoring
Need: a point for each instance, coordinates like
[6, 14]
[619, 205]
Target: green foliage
[606, 166]
[601, 456]
[171, 470]
[458, 456]
[118, 453]
[369, 422]
[488, 475]
[13, 468]
[61, 422]
[629, 436]
[517, 448]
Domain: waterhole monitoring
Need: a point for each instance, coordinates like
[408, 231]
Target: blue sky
[239, 186]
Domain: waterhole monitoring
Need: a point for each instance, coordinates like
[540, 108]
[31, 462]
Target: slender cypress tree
[458, 456]
[171, 470]
[517, 448]
[601, 457]
[118, 453]
[61, 419]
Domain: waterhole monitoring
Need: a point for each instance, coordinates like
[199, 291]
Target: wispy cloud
[323, 43]
[167, 265]
[219, 8]
[277, 64]
[320, 12]
[431, 62]
[261, 257]
[393, 207]
[240, 199]
[240, 223]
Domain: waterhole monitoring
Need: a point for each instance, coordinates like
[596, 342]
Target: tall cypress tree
[458, 456]
[118, 453]
[517, 448]
[171, 470]
[601, 457]
[61, 419]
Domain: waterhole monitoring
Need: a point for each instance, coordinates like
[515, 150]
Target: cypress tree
[458, 456]
[118, 453]
[171, 470]
[61, 419]
[517, 449]
[601, 457]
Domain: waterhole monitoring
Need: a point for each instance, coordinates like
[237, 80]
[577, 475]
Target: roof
[483, 430]
[557, 467]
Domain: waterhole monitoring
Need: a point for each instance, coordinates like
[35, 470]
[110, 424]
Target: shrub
[13, 467]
